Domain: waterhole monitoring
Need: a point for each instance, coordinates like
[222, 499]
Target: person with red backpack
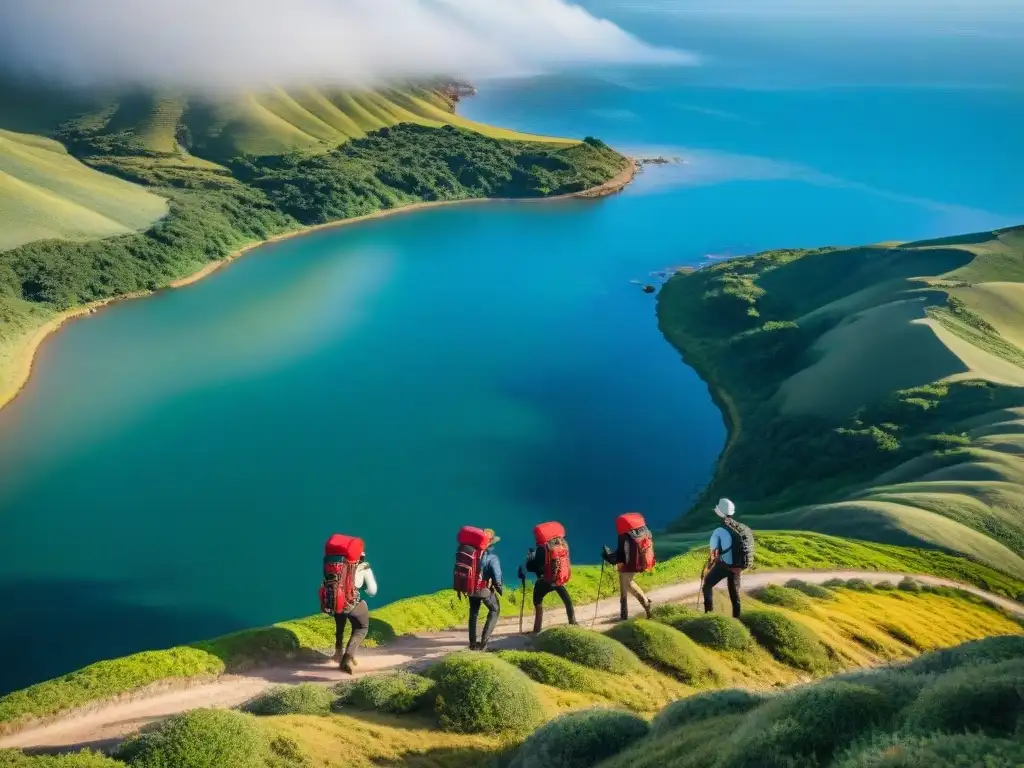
[549, 562]
[732, 551]
[346, 573]
[478, 576]
[635, 554]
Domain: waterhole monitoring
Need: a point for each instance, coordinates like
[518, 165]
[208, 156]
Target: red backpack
[639, 543]
[338, 593]
[557, 569]
[472, 543]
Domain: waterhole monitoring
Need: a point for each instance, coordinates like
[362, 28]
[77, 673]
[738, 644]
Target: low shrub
[805, 726]
[670, 613]
[13, 758]
[936, 751]
[898, 686]
[202, 738]
[909, 585]
[731, 701]
[834, 583]
[591, 649]
[301, 699]
[885, 586]
[859, 585]
[663, 647]
[480, 693]
[987, 698]
[811, 590]
[773, 594]
[393, 692]
[990, 650]
[580, 739]
[786, 640]
[713, 630]
[548, 669]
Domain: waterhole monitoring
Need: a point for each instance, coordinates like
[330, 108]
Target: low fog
[240, 43]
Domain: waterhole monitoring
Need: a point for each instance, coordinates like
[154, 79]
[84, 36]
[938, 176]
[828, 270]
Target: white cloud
[285, 42]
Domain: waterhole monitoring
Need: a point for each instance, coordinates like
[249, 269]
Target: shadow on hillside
[432, 758]
[51, 627]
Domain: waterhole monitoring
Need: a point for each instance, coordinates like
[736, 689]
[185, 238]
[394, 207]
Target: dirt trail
[107, 723]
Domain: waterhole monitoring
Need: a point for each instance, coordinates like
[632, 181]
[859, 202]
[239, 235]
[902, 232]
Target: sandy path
[106, 724]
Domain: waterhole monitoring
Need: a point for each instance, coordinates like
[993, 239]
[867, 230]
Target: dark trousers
[718, 572]
[542, 589]
[488, 598]
[359, 618]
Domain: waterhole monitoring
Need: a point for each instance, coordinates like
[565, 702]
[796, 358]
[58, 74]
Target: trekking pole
[700, 589]
[597, 604]
[522, 604]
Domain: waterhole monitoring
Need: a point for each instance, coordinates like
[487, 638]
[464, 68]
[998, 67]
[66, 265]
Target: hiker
[549, 562]
[346, 574]
[478, 575]
[731, 551]
[635, 554]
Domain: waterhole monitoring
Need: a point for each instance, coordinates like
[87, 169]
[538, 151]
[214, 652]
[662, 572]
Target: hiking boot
[473, 646]
[336, 658]
[346, 664]
[623, 611]
[649, 608]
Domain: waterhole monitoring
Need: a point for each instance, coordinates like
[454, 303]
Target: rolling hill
[873, 393]
[47, 193]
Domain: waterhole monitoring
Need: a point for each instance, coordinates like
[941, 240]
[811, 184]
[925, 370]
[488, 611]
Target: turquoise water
[173, 467]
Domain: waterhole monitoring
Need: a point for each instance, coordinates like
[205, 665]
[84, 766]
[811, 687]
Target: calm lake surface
[175, 464]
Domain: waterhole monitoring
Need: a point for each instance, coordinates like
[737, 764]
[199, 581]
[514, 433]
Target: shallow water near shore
[175, 463]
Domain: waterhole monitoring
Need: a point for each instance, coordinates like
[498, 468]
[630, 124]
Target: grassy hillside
[312, 637]
[79, 171]
[484, 709]
[46, 193]
[873, 393]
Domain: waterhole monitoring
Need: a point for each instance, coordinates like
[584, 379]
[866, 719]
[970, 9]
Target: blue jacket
[490, 569]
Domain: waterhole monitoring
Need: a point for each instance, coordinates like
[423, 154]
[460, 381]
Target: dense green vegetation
[395, 692]
[666, 649]
[714, 630]
[701, 706]
[870, 391]
[588, 648]
[580, 739]
[787, 640]
[301, 699]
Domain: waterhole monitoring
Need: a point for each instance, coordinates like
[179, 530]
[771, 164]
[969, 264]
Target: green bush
[898, 686]
[663, 647]
[731, 701]
[987, 698]
[811, 590]
[480, 693]
[885, 586]
[859, 585]
[591, 649]
[202, 738]
[833, 583]
[722, 633]
[301, 699]
[909, 585]
[805, 726]
[670, 613]
[548, 669]
[786, 640]
[937, 751]
[394, 692]
[784, 596]
[13, 758]
[580, 739]
[990, 650]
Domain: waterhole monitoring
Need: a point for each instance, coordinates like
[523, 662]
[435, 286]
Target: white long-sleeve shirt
[365, 580]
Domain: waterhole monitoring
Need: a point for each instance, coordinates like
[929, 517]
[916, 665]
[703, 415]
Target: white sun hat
[725, 508]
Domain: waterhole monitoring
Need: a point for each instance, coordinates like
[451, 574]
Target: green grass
[666, 649]
[301, 699]
[701, 706]
[587, 648]
[392, 692]
[86, 759]
[580, 739]
[480, 693]
[787, 640]
[925, 451]
[723, 633]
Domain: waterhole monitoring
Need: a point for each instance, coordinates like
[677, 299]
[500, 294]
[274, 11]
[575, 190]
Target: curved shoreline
[24, 358]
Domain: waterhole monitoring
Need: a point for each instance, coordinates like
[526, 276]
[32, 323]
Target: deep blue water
[176, 462]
